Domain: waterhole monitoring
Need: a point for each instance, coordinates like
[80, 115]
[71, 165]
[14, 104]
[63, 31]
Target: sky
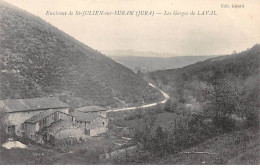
[231, 29]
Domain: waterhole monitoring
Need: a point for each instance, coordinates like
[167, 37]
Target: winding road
[166, 96]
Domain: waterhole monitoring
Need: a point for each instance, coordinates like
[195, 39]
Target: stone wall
[30, 130]
[18, 118]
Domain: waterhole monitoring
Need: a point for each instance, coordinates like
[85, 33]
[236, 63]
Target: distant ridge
[240, 65]
[120, 53]
[157, 63]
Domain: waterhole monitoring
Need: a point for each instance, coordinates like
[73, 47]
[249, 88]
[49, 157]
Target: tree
[164, 80]
[143, 133]
[160, 141]
[222, 103]
[170, 106]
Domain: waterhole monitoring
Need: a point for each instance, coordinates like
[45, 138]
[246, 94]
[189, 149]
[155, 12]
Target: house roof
[87, 117]
[38, 117]
[90, 109]
[20, 105]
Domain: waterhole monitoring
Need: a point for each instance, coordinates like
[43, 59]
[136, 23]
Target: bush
[252, 120]
[170, 106]
[225, 123]
[92, 155]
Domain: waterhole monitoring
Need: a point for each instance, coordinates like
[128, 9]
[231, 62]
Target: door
[11, 129]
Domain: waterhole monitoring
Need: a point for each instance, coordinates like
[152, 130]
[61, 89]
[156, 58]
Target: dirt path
[166, 96]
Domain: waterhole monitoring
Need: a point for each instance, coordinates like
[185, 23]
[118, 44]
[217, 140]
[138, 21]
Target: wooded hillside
[37, 59]
[225, 86]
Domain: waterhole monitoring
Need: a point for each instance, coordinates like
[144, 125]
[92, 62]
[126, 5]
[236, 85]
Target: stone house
[94, 119]
[17, 112]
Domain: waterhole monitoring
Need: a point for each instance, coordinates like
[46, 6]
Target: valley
[149, 64]
[63, 102]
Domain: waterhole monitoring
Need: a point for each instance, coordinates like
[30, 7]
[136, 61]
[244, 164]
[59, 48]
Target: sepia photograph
[129, 82]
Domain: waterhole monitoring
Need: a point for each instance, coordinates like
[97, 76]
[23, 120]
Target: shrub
[92, 155]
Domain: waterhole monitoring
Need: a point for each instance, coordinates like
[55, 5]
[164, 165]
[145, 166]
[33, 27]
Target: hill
[241, 65]
[217, 104]
[224, 89]
[37, 59]
[146, 63]
[226, 85]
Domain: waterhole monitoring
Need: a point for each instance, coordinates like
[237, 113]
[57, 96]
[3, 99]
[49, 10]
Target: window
[103, 123]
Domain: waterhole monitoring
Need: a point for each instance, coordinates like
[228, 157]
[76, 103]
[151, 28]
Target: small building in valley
[94, 119]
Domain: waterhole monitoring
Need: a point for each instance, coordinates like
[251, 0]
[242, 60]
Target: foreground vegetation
[237, 147]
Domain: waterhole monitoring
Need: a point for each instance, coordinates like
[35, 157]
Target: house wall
[97, 126]
[103, 114]
[45, 122]
[18, 118]
[99, 122]
[83, 123]
[30, 130]
[96, 131]
[64, 110]
[66, 117]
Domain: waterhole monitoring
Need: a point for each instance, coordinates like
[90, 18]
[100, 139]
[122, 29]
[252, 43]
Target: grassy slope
[238, 147]
[37, 59]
